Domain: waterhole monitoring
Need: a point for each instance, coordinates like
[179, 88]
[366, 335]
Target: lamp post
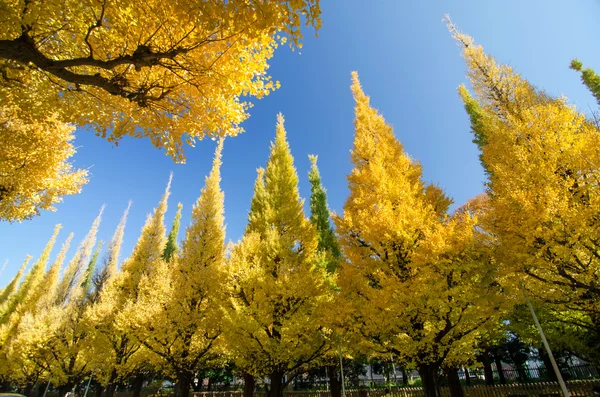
[561, 382]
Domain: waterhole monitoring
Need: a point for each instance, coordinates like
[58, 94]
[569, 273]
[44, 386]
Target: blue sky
[407, 63]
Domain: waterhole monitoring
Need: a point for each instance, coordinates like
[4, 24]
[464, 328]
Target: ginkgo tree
[417, 282]
[541, 155]
[279, 290]
[171, 71]
[179, 316]
[35, 171]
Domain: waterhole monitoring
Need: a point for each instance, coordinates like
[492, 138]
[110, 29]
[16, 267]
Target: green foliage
[588, 77]
[321, 220]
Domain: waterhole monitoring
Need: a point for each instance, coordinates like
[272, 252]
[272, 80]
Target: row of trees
[400, 274]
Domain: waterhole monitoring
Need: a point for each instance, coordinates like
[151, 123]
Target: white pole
[88, 385]
[561, 382]
[341, 368]
[394, 369]
[46, 391]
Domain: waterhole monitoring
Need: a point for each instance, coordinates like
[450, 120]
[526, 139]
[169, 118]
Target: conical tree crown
[111, 267]
[89, 271]
[257, 217]
[10, 300]
[151, 244]
[589, 78]
[171, 247]
[386, 209]
[14, 283]
[70, 286]
[320, 217]
[32, 287]
[284, 212]
[52, 277]
[203, 250]
[204, 242]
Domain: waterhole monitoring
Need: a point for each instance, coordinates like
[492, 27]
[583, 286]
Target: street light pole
[561, 382]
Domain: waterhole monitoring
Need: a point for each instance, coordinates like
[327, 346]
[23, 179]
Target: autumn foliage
[399, 273]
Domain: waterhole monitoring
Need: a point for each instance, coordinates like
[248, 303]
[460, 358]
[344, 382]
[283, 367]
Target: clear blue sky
[407, 63]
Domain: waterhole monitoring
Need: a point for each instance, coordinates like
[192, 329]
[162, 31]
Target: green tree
[279, 291]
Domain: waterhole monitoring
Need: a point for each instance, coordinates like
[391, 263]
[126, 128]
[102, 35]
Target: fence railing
[578, 388]
[582, 371]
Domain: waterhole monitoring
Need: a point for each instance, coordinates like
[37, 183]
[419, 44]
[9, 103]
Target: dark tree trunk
[41, 389]
[404, 377]
[429, 377]
[249, 384]
[521, 373]
[276, 386]
[110, 389]
[487, 368]
[64, 389]
[99, 389]
[335, 383]
[28, 389]
[138, 381]
[454, 385]
[549, 371]
[183, 384]
[197, 383]
[209, 385]
[112, 385]
[500, 371]
[467, 376]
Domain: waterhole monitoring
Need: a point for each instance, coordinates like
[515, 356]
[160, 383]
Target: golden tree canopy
[172, 71]
[35, 172]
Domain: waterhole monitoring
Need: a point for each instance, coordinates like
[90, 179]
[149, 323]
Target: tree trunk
[249, 384]
[110, 389]
[138, 381]
[404, 377]
[549, 370]
[429, 377]
[183, 384]
[454, 385]
[467, 376]
[276, 386]
[335, 383]
[28, 389]
[98, 390]
[487, 368]
[64, 389]
[500, 371]
[112, 385]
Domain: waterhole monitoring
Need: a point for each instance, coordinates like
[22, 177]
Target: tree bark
[404, 377]
[276, 386]
[487, 368]
[454, 385]
[138, 381]
[467, 376]
[335, 383]
[500, 371]
[98, 390]
[429, 377]
[183, 384]
[64, 389]
[249, 385]
[549, 370]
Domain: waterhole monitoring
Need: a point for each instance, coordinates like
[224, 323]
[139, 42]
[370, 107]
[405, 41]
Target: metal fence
[581, 388]
[582, 371]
